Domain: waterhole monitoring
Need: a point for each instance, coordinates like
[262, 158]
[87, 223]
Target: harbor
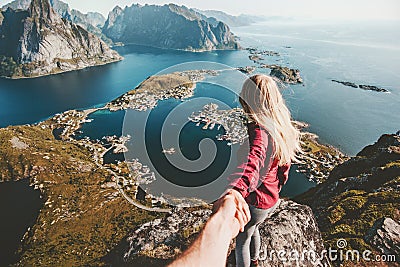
[232, 121]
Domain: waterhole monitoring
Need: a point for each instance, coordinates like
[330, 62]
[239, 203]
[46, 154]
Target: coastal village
[232, 122]
[178, 85]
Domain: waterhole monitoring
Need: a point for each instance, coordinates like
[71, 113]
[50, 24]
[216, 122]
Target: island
[287, 75]
[247, 69]
[258, 53]
[178, 85]
[361, 86]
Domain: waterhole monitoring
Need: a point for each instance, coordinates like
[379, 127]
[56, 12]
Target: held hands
[230, 214]
[234, 209]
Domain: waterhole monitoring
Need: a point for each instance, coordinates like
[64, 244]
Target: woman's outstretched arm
[231, 214]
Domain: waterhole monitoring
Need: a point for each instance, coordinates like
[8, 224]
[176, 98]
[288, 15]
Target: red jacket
[258, 176]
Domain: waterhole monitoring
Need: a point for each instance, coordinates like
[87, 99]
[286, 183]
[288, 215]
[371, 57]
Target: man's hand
[233, 208]
[230, 214]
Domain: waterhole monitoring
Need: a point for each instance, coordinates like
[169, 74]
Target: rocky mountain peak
[39, 42]
[42, 9]
[92, 21]
[112, 16]
[62, 9]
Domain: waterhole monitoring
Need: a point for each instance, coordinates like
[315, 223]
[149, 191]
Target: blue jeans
[248, 243]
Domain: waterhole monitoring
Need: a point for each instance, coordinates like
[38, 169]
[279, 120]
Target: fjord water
[30, 100]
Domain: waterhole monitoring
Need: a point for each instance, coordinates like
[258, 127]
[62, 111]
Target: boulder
[384, 236]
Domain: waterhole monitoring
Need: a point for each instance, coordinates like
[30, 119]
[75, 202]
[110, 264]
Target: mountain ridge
[168, 26]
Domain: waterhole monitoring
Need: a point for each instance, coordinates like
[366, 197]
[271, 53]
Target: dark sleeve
[247, 174]
[283, 174]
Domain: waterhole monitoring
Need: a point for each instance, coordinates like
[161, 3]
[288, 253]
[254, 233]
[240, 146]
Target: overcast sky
[341, 9]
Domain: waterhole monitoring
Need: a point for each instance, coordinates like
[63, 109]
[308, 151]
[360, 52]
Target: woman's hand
[233, 206]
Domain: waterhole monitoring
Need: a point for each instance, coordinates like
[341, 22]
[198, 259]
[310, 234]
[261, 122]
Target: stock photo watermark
[341, 253]
[188, 142]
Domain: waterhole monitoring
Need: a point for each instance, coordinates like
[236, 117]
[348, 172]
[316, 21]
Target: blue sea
[348, 118]
[359, 52]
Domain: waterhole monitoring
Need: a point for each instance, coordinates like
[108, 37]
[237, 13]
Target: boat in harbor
[169, 151]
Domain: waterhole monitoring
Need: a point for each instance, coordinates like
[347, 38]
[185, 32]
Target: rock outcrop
[385, 236]
[291, 227]
[39, 42]
[358, 193]
[168, 26]
[165, 237]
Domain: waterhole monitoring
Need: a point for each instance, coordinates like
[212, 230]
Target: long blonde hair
[264, 104]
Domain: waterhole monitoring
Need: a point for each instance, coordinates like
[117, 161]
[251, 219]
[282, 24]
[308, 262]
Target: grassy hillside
[83, 217]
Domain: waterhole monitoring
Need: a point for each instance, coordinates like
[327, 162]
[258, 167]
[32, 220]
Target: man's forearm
[211, 247]
[231, 214]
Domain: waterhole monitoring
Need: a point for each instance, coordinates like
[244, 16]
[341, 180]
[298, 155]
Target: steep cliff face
[92, 21]
[291, 227]
[168, 26]
[40, 42]
[361, 198]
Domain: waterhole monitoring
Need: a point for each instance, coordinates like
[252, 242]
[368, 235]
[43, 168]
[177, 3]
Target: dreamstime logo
[338, 254]
[180, 148]
[341, 243]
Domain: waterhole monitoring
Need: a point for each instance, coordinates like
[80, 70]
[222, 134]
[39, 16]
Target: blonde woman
[263, 165]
